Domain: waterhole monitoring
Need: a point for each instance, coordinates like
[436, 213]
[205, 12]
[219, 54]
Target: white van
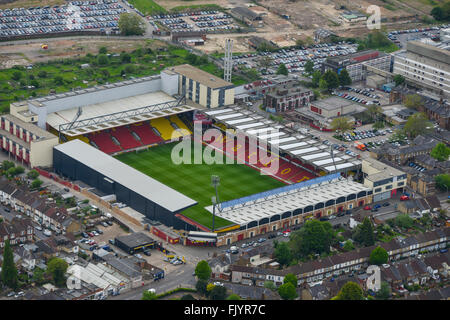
[47, 232]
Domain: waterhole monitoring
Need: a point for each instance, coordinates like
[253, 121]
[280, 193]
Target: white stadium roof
[285, 139]
[115, 106]
[127, 176]
[266, 207]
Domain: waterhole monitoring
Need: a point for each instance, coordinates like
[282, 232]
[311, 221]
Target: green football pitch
[194, 180]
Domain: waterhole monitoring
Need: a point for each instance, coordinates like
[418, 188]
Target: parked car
[377, 206]
[47, 232]
[404, 198]
[367, 208]
[386, 204]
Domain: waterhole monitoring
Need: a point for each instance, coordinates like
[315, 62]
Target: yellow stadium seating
[165, 128]
[180, 124]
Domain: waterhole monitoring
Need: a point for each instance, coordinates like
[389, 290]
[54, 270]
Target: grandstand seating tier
[125, 138]
[104, 142]
[145, 133]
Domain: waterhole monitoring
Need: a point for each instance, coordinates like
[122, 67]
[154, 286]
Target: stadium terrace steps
[146, 134]
[125, 138]
[165, 128]
[104, 142]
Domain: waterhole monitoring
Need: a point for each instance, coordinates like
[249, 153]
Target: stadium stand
[180, 124]
[287, 171]
[145, 133]
[104, 142]
[125, 138]
[165, 128]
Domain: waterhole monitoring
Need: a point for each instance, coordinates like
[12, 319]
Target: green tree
[187, 297]
[102, 59]
[203, 270]
[102, 50]
[129, 68]
[201, 286]
[378, 256]
[331, 78]
[341, 124]
[287, 291]
[344, 78]
[218, 293]
[413, 101]
[148, 295]
[36, 184]
[57, 268]
[233, 296]
[374, 112]
[38, 276]
[315, 237]
[440, 152]
[350, 291]
[42, 74]
[58, 80]
[323, 85]
[290, 278]
[377, 39]
[364, 233]
[282, 69]
[125, 57]
[417, 124]
[270, 285]
[348, 246]
[378, 125]
[404, 221]
[131, 24]
[19, 170]
[316, 76]
[399, 79]
[309, 67]
[438, 13]
[385, 291]
[9, 270]
[17, 75]
[283, 254]
[443, 181]
[7, 164]
[191, 58]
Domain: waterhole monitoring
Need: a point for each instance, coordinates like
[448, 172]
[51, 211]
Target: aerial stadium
[118, 138]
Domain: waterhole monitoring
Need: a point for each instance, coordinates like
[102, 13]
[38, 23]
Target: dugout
[135, 242]
[78, 160]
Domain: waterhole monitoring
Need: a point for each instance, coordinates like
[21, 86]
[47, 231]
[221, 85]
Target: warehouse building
[355, 63]
[135, 242]
[202, 87]
[77, 160]
[384, 180]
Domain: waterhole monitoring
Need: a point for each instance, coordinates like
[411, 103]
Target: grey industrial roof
[127, 176]
[135, 239]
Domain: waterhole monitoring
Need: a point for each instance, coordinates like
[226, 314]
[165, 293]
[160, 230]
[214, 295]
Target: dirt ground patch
[26, 52]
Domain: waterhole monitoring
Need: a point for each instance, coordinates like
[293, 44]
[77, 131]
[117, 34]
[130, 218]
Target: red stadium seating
[287, 171]
[125, 138]
[104, 142]
[145, 132]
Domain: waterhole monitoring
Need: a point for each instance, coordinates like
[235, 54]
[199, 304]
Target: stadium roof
[285, 139]
[127, 176]
[94, 116]
[302, 195]
[201, 76]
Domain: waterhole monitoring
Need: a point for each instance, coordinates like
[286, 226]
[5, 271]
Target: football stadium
[118, 138]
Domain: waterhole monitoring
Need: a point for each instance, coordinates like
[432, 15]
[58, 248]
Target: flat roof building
[134, 242]
[384, 180]
[425, 66]
[203, 88]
